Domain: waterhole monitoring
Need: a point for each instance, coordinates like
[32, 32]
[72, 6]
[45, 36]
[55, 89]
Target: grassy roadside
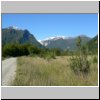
[4, 58]
[36, 71]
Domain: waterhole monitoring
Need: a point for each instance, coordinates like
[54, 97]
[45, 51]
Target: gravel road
[8, 71]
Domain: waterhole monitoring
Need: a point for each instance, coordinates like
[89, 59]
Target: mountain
[93, 44]
[13, 35]
[63, 42]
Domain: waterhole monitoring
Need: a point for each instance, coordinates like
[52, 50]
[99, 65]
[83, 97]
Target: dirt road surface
[8, 71]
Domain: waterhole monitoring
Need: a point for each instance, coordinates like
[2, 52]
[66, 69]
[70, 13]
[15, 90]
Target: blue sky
[47, 25]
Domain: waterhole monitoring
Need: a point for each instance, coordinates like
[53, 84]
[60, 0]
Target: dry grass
[35, 71]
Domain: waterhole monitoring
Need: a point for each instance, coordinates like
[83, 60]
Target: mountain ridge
[12, 36]
[64, 43]
[93, 44]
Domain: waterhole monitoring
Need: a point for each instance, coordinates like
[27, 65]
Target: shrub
[79, 63]
[95, 59]
[10, 50]
[48, 55]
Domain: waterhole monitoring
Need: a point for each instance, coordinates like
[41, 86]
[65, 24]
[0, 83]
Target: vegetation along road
[8, 71]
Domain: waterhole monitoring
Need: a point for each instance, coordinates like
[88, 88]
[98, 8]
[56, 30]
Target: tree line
[15, 50]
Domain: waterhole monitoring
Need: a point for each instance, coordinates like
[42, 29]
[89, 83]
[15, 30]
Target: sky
[43, 26]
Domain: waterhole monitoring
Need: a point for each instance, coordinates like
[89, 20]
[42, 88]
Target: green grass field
[36, 71]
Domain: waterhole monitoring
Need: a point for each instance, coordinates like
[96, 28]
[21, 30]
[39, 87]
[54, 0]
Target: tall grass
[36, 71]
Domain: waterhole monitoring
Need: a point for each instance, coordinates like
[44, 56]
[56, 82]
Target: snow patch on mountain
[46, 41]
[55, 38]
[40, 42]
[14, 27]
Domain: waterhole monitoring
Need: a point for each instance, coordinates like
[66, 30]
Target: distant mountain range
[93, 44]
[63, 42]
[12, 35]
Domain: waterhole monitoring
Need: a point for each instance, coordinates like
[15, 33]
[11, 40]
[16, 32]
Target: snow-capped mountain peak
[47, 41]
[55, 38]
[13, 27]
[60, 41]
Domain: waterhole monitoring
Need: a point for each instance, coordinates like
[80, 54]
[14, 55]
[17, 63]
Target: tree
[78, 42]
[79, 62]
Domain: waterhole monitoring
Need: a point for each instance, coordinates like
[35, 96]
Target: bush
[10, 50]
[49, 55]
[79, 63]
[95, 59]
[15, 50]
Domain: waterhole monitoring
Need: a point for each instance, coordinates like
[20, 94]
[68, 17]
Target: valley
[56, 61]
